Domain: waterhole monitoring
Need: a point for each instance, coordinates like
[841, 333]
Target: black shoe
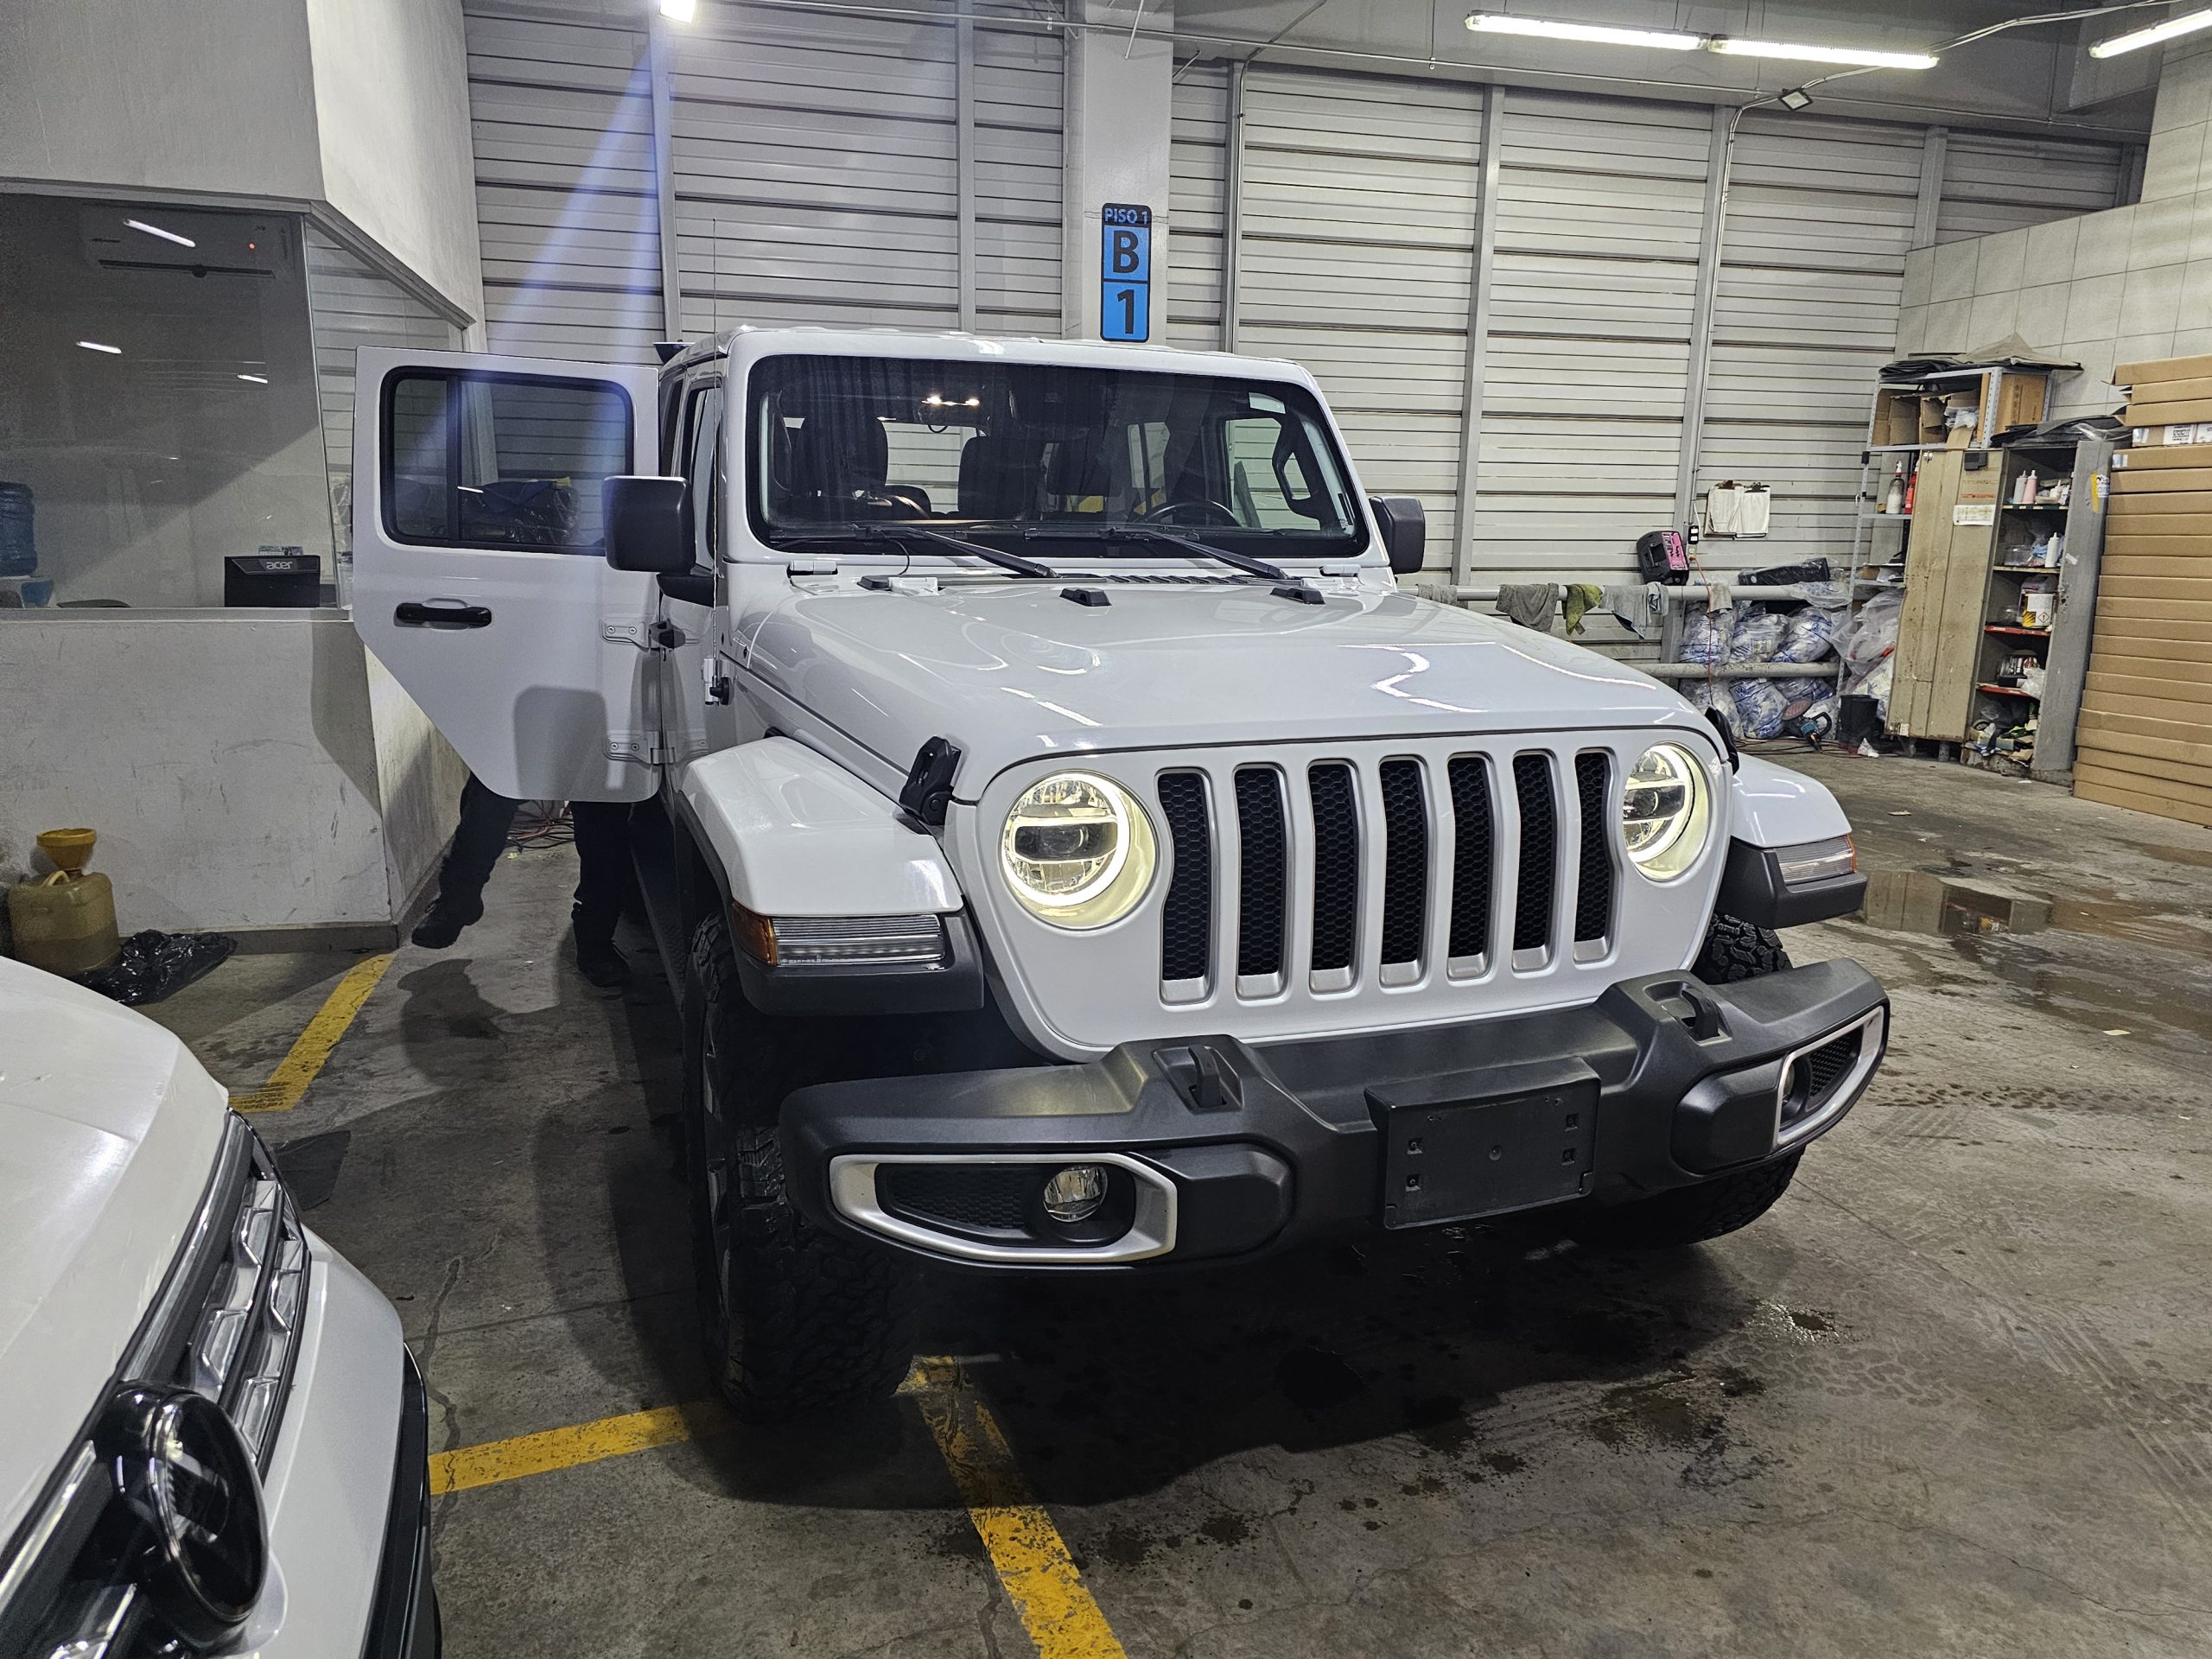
[443, 922]
[603, 964]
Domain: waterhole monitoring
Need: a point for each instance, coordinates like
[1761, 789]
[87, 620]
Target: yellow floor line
[1032, 1559]
[564, 1448]
[298, 1069]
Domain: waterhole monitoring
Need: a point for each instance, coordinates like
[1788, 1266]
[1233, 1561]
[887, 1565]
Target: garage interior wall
[1360, 225]
[1568, 312]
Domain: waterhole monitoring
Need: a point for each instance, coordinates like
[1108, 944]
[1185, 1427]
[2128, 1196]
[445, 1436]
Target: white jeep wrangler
[1075, 852]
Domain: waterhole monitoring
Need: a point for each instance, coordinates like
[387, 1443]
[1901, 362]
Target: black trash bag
[154, 965]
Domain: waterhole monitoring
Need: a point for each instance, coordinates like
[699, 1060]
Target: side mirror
[645, 523]
[1405, 532]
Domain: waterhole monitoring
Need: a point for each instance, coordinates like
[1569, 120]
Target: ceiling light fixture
[156, 230]
[258, 379]
[2172, 28]
[1492, 23]
[94, 346]
[679, 11]
[1796, 98]
[1730, 47]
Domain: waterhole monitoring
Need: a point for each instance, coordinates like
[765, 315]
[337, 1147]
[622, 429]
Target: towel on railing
[1528, 603]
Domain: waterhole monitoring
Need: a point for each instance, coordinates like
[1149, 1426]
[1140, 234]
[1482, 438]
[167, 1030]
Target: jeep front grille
[1376, 830]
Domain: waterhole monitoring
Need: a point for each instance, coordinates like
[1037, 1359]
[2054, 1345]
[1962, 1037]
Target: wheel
[1204, 511]
[1736, 950]
[1690, 1215]
[795, 1319]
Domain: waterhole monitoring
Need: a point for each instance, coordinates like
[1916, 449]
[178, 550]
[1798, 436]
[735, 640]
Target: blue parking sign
[1125, 272]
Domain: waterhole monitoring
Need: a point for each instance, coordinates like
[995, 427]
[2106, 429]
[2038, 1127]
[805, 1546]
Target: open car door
[480, 573]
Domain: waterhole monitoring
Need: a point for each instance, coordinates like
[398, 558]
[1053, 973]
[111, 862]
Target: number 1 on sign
[1126, 299]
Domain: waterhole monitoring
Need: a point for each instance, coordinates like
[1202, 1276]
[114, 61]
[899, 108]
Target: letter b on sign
[1125, 272]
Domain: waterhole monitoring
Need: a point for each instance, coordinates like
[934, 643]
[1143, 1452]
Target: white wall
[391, 116]
[212, 97]
[2131, 285]
[227, 761]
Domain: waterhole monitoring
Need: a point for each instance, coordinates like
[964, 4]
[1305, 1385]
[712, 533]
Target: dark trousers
[602, 854]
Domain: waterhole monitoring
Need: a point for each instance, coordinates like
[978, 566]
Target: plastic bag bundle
[1828, 595]
[1760, 708]
[1758, 635]
[1807, 637]
[1697, 693]
[1873, 634]
[1705, 637]
[1795, 692]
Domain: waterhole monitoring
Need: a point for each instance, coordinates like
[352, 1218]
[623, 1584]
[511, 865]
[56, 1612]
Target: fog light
[1075, 1193]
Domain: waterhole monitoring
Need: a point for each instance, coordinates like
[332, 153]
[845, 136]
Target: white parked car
[216, 1440]
[1075, 852]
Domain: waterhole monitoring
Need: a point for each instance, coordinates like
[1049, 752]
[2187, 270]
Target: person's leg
[478, 841]
[603, 879]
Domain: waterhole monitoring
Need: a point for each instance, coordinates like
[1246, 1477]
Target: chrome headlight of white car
[1666, 811]
[1077, 850]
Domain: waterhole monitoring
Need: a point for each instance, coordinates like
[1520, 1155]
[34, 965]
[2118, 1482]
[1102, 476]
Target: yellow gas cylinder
[64, 922]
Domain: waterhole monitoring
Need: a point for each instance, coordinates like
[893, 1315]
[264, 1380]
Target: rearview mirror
[1404, 525]
[645, 523]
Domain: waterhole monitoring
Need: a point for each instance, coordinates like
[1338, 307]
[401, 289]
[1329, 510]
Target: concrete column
[1119, 96]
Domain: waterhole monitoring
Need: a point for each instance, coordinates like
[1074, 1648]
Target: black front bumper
[1662, 1082]
[404, 1616]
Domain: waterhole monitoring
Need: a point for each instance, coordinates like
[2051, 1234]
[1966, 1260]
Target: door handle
[413, 613]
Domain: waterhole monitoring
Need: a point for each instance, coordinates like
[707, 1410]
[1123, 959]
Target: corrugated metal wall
[350, 305]
[816, 180]
[1356, 260]
[1819, 216]
[566, 204]
[1600, 205]
[1198, 160]
[1993, 182]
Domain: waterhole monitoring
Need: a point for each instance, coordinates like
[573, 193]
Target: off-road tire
[1690, 1215]
[1735, 950]
[794, 1319]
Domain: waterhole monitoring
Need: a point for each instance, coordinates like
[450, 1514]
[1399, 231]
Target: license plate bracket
[1460, 1148]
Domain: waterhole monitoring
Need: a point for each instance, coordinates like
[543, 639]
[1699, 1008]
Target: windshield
[1026, 454]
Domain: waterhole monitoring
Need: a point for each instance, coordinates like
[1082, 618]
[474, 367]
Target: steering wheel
[1207, 511]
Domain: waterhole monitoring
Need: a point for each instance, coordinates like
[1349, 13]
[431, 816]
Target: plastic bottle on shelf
[1894, 501]
[1911, 483]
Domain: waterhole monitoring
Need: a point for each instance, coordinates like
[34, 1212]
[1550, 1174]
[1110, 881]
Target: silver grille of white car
[1309, 888]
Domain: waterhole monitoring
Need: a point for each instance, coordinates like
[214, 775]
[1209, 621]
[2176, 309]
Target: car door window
[703, 471]
[500, 461]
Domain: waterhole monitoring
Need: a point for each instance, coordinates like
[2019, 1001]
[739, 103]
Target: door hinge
[646, 636]
[640, 748]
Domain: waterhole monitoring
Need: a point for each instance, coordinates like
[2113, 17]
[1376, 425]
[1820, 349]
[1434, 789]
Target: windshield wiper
[1156, 533]
[879, 532]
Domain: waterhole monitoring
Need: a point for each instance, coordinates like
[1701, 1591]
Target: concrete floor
[1950, 1397]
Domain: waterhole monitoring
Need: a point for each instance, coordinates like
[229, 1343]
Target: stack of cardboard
[2145, 733]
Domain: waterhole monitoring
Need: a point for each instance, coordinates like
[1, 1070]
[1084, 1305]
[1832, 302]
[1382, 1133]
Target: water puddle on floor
[1915, 901]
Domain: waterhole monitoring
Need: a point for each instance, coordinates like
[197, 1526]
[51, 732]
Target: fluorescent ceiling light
[94, 346]
[1492, 22]
[156, 230]
[258, 379]
[1850, 54]
[2172, 28]
[679, 11]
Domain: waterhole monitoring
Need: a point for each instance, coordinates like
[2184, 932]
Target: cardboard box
[2180, 411]
[2152, 437]
[2161, 479]
[2158, 503]
[2159, 457]
[1897, 416]
[2019, 401]
[2163, 369]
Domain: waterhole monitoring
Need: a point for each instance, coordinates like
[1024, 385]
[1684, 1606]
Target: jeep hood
[1012, 670]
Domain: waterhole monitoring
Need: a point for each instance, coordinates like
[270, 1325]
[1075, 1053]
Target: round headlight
[197, 1543]
[1665, 813]
[1077, 850]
